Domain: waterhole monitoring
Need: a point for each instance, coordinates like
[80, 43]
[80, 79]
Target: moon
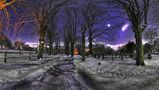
[108, 25]
[125, 27]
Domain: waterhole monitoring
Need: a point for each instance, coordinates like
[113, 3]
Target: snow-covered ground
[26, 70]
[57, 73]
[119, 74]
[13, 56]
[154, 61]
[106, 74]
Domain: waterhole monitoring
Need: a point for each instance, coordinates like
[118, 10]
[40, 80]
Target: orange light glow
[3, 3]
[75, 51]
[2, 6]
[5, 12]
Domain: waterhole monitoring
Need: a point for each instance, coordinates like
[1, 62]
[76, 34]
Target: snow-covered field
[11, 72]
[106, 74]
[13, 56]
[55, 73]
[118, 74]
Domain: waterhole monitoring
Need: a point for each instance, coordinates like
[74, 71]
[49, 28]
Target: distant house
[19, 44]
[5, 43]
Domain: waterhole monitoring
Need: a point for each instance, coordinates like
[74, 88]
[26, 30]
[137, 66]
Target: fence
[113, 56]
[16, 54]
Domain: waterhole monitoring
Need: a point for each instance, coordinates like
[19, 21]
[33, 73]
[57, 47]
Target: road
[63, 76]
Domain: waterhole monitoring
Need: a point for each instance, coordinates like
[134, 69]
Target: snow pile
[121, 72]
[154, 61]
[125, 68]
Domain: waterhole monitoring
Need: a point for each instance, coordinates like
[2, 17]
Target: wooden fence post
[20, 52]
[112, 57]
[29, 55]
[122, 58]
[103, 56]
[5, 57]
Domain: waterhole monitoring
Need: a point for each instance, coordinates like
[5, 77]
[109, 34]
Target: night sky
[119, 35]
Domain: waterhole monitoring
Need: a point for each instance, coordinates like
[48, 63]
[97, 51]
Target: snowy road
[61, 76]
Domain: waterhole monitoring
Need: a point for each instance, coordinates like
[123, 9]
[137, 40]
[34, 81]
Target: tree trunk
[50, 46]
[41, 49]
[67, 48]
[151, 48]
[72, 49]
[59, 48]
[83, 46]
[139, 49]
[41, 40]
[56, 47]
[90, 43]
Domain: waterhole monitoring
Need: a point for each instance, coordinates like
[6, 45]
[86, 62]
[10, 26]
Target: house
[19, 44]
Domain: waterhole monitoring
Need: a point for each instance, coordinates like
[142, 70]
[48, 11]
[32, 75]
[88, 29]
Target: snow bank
[120, 72]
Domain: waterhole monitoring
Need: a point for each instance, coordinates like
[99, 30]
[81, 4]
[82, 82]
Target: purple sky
[122, 34]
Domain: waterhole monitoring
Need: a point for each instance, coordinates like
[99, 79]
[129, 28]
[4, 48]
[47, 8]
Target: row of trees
[85, 18]
[137, 14]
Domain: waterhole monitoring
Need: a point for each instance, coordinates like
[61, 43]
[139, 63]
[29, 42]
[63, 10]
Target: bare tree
[41, 10]
[57, 43]
[95, 12]
[151, 34]
[5, 12]
[66, 41]
[86, 24]
[51, 33]
[70, 30]
[156, 44]
[93, 15]
[137, 12]
[19, 23]
[84, 28]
